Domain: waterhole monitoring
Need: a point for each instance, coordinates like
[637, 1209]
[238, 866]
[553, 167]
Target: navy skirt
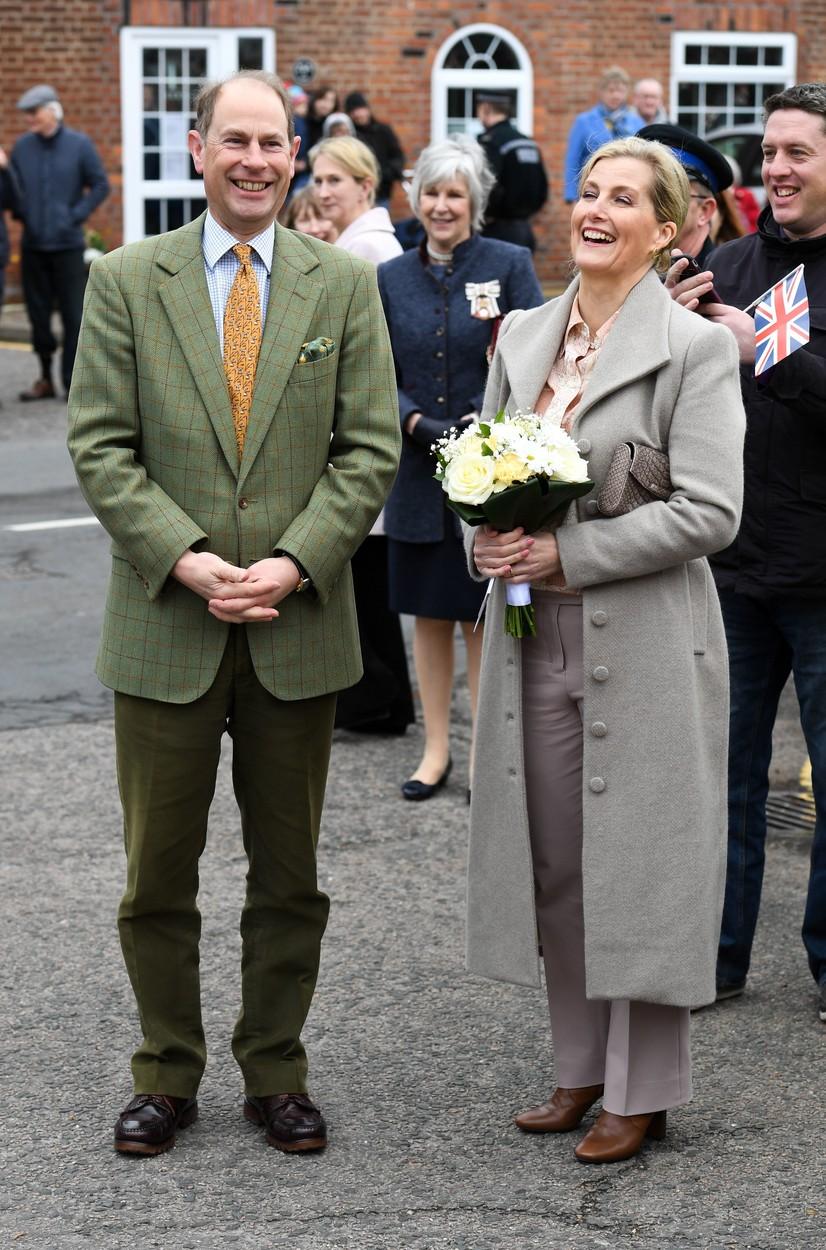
[431, 579]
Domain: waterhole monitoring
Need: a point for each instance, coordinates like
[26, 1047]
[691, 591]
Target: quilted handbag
[636, 475]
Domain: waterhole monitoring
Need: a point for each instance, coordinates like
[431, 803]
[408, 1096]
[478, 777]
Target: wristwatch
[305, 582]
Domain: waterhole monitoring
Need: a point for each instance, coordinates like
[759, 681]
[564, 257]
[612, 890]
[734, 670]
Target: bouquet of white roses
[513, 470]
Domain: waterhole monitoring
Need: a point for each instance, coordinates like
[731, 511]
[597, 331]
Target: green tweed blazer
[152, 440]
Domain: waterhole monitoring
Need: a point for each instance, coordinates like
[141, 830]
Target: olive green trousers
[167, 756]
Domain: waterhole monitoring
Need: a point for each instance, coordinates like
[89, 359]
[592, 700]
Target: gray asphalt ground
[419, 1068]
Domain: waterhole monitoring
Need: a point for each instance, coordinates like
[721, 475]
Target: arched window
[479, 58]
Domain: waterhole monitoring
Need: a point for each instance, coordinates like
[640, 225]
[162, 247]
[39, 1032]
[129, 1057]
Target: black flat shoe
[418, 790]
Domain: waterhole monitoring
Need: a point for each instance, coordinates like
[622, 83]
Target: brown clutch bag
[636, 475]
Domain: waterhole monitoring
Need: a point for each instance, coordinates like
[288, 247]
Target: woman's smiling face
[614, 229]
[341, 197]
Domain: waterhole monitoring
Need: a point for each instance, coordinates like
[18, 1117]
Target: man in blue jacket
[60, 180]
[610, 118]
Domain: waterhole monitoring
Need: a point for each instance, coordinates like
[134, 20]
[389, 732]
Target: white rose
[568, 465]
[469, 478]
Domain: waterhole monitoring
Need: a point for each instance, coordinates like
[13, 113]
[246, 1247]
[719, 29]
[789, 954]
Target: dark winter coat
[382, 142]
[781, 545]
[441, 366]
[61, 181]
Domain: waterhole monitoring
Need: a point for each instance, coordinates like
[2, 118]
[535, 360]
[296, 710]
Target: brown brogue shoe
[293, 1122]
[147, 1125]
[616, 1137]
[562, 1112]
[41, 389]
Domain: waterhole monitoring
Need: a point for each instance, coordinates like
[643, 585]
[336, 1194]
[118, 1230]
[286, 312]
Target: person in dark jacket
[440, 331]
[8, 202]
[323, 102]
[521, 186]
[381, 140]
[60, 180]
[772, 579]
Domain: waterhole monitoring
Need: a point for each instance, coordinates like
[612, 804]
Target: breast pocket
[315, 372]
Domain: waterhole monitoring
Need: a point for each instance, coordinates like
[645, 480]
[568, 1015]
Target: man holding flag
[772, 579]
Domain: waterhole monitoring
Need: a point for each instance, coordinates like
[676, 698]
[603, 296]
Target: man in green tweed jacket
[230, 604]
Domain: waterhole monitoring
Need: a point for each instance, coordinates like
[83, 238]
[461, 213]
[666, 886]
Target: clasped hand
[515, 555]
[235, 595]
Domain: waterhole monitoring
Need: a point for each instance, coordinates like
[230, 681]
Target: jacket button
[584, 446]
[600, 673]
[438, 355]
[596, 785]
[440, 399]
[440, 329]
[592, 507]
[243, 502]
[599, 617]
[599, 729]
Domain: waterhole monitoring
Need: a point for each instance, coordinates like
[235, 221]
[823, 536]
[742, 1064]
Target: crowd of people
[253, 419]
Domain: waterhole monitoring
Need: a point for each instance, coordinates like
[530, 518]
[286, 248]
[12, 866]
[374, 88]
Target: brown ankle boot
[616, 1137]
[562, 1112]
[41, 389]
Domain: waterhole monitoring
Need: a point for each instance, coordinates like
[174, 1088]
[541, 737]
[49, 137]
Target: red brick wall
[73, 44]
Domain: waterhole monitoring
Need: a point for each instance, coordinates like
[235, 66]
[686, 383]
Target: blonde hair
[354, 157]
[670, 193]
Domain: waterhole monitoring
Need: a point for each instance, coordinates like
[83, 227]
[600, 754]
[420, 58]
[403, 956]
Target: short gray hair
[459, 157]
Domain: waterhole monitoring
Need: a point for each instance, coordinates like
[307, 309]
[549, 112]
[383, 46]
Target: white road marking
[65, 524]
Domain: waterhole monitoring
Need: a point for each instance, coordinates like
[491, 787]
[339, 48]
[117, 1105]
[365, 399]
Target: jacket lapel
[529, 355]
[185, 298]
[294, 296]
[636, 346]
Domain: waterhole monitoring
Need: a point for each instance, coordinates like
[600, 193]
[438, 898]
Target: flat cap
[36, 97]
[702, 162]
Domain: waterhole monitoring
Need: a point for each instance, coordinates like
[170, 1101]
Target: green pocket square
[315, 349]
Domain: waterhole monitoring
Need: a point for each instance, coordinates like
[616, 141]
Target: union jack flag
[781, 321]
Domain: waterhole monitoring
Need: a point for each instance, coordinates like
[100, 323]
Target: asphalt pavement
[419, 1067]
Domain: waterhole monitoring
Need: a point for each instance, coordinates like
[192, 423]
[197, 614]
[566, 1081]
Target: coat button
[599, 729]
[592, 507]
[440, 329]
[600, 673]
[438, 355]
[596, 785]
[440, 399]
[584, 446]
[243, 502]
[599, 617]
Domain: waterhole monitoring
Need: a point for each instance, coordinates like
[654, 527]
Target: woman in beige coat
[598, 813]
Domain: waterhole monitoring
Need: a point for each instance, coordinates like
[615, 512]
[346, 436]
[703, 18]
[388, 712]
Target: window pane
[505, 57]
[194, 88]
[456, 102]
[688, 94]
[151, 97]
[456, 57]
[197, 63]
[151, 131]
[152, 217]
[746, 56]
[769, 88]
[693, 54]
[773, 56]
[250, 53]
[719, 54]
[151, 165]
[195, 208]
[688, 120]
[150, 62]
[175, 97]
[174, 63]
[174, 214]
[717, 94]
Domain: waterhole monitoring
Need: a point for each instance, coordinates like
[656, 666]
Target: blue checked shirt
[221, 266]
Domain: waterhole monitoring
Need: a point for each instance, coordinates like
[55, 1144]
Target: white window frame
[520, 80]
[682, 73]
[222, 48]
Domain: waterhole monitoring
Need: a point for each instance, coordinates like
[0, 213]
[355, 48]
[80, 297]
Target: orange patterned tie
[242, 341]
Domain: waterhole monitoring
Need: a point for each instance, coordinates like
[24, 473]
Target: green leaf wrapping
[529, 504]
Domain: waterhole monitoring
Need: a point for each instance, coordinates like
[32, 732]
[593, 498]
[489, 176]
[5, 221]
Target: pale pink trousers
[639, 1051]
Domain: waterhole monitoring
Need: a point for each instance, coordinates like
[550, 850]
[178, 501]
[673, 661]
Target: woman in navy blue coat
[441, 302]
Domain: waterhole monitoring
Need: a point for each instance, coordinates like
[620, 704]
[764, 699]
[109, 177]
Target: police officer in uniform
[521, 182]
[708, 172]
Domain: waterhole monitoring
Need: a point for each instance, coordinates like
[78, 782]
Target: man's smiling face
[247, 159]
[794, 171]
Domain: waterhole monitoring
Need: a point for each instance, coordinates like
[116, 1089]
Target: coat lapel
[294, 296]
[529, 355]
[185, 298]
[636, 346]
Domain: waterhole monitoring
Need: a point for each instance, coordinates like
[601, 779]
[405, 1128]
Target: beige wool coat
[655, 717]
